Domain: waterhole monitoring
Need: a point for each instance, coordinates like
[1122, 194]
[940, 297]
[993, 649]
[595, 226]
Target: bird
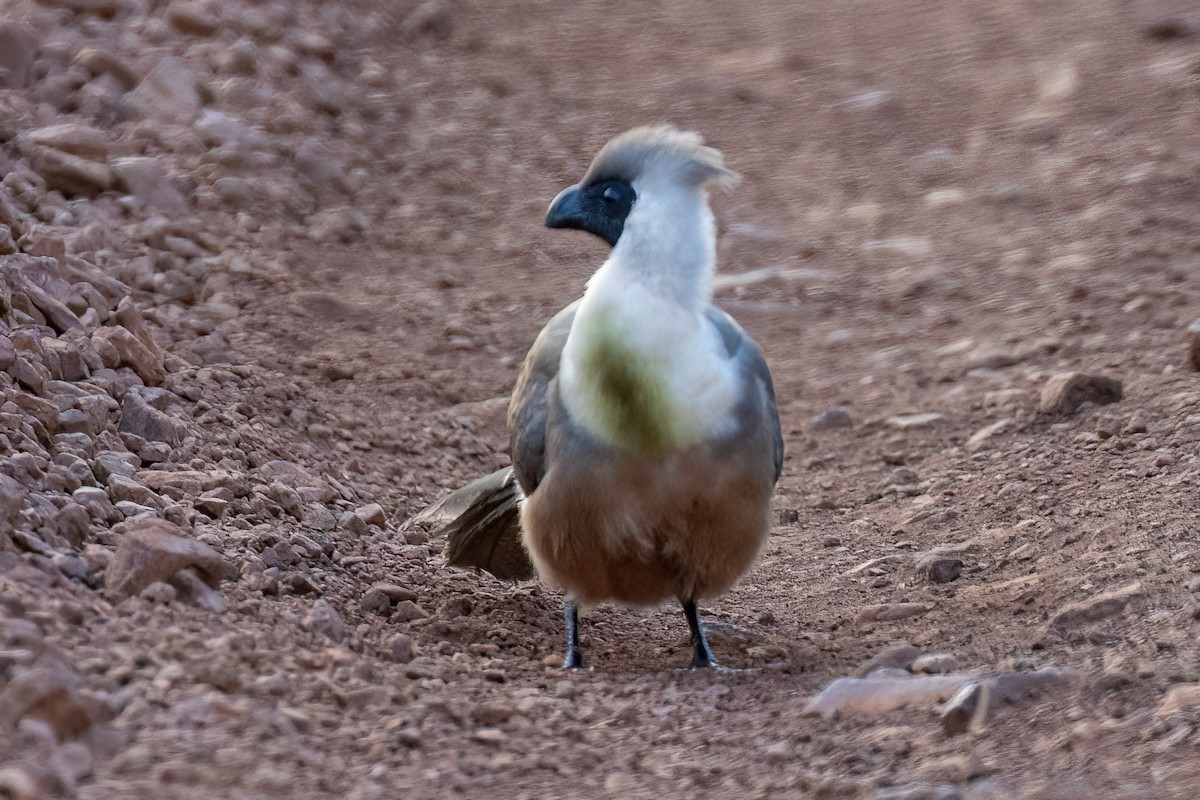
[643, 429]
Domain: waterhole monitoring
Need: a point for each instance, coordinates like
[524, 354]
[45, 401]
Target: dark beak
[566, 210]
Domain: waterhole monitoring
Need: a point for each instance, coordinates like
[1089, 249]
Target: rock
[152, 549]
[141, 419]
[70, 174]
[18, 45]
[1179, 698]
[120, 347]
[168, 93]
[192, 588]
[1096, 608]
[159, 593]
[144, 178]
[211, 505]
[342, 225]
[1065, 392]
[84, 141]
[121, 488]
[897, 656]
[831, 419]
[49, 692]
[398, 648]
[12, 500]
[432, 18]
[372, 514]
[881, 694]
[407, 611]
[325, 620]
[974, 702]
[908, 421]
[934, 664]
[891, 611]
[919, 791]
[1193, 333]
[938, 568]
[73, 523]
[192, 18]
[977, 439]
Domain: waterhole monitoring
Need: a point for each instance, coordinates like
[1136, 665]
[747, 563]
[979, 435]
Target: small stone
[159, 593]
[906, 422]
[1179, 698]
[934, 664]
[919, 791]
[1096, 608]
[325, 620]
[398, 648]
[70, 174]
[432, 18]
[885, 612]
[883, 693]
[372, 514]
[191, 18]
[193, 588]
[939, 569]
[168, 93]
[119, 347]
[1193, 334]
[153, 452]
[1065, 392]
[12, 500]
[978, 438]
[143, 420]
[18, 46]
[79, 140]
[152, 549]
[832, 419]
[896, 656]
[407, 611]
[73, 524]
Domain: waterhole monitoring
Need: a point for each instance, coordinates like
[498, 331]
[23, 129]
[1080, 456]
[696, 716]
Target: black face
[600, 208]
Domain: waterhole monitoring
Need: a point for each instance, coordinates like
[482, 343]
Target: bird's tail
[482, 525]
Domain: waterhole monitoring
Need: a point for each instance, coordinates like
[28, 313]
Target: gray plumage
[644, 433]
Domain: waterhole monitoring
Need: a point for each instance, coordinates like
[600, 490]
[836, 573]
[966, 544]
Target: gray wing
[743, 350]
[529, 406]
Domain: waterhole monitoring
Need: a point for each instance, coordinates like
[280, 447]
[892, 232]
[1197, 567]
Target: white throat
[642, 368]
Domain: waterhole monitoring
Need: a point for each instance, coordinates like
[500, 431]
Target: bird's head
[641, 167]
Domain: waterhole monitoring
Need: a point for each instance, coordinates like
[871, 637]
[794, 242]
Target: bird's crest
[662, 149]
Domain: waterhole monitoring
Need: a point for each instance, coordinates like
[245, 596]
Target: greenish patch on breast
[628, 402]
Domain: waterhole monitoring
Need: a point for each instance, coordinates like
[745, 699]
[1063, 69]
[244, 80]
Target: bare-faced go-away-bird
[644, 435]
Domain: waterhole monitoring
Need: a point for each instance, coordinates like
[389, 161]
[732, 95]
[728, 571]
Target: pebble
[399, 648]
[934, 664]
[1065, 392]
[897, 656]
[879, 694]
[906, 422]
[152, 550]
[832, 419]
[1097, 608]
[324, 619]
[938, 568]
[884, 612]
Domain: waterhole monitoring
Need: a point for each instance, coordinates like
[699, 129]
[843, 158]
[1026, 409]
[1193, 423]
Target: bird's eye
[612, 194]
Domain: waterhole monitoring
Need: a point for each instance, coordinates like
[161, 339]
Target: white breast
[643, 372]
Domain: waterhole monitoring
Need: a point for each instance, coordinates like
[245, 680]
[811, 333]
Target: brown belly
[635, 532]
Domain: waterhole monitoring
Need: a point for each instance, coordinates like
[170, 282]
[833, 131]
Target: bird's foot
[574, 660]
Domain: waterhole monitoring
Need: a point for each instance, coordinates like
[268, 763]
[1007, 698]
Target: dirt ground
[942, 206]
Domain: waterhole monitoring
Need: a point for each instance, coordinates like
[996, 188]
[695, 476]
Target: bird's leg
[702, 655]
[574, 659]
